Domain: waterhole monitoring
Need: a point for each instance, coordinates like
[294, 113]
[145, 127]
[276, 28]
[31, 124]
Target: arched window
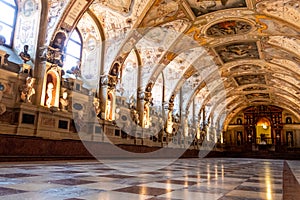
[239, 121]
[7, 21]
[288, 120]
[73, 51]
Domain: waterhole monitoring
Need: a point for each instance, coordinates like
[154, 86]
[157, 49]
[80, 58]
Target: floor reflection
[190, 179]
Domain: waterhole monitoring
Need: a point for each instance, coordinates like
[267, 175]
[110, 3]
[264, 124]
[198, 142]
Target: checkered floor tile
[214, 178]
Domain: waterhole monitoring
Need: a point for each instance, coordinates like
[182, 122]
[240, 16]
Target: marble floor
[208, 179]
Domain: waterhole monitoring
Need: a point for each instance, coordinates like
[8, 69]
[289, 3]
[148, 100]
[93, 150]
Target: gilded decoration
[258, 95]
[227, 28]
[237, 51]
[271, 26]
[189, 72]
[250, 79]
[203, 7]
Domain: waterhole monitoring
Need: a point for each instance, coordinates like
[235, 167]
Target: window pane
[73, 49]
[7, 14]
[11, 2]
[70, 62]
[75, 36]
[6, 31]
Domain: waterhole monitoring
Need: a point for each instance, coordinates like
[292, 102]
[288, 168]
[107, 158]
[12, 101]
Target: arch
[51, 87]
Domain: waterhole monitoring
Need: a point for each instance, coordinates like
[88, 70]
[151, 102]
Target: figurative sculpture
[64, 102]
[27, 90]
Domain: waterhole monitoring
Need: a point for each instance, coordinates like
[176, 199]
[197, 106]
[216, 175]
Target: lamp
[264, 126]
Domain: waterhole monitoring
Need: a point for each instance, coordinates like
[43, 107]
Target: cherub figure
[27, 90]
[49, 94]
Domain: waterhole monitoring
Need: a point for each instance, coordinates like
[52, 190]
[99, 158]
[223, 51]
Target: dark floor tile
[8, 191]
[257, 189]
[17, 175]
[161, 198]
[211, 190]
[144, 190]
[73, 199]
[238, 198]
[202, 176]
[69, 172]
[153, 173]
[179, 182]
[237, 176]
[262, 181]
[71, 182]
[103, 169]
[116, 176]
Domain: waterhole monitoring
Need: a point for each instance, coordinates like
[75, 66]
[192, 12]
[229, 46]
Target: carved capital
[112, 81]
[141, 95]
[108, 80]
[148, 96]
[104, 80]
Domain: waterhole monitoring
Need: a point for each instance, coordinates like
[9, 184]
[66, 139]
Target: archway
[263, 131]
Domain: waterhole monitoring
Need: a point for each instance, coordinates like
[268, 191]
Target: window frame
[76, 42]
[13, 26]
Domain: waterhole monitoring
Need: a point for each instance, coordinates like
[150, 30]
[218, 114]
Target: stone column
[40, 61]
[140, 105]
[107, 84]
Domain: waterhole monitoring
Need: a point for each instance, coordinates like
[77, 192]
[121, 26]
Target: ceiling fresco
[227, 28]
[258, 95]
[248, 47]
[237, 51]
[204, 7]
[250, 79]
[253, 88]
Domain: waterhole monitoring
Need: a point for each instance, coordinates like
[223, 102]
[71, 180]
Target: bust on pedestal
[26, 68]
[64, 102]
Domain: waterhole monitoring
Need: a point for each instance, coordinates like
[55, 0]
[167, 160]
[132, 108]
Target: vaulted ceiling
[223, 55]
